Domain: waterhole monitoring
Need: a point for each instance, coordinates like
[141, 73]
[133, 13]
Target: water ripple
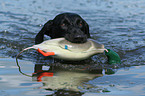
[119, 25]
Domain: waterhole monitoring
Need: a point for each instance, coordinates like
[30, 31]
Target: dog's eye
[80, 24]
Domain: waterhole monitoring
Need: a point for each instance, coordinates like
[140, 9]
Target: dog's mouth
[76, 39]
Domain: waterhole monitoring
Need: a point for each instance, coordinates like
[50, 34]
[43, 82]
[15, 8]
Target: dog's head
[68, 25]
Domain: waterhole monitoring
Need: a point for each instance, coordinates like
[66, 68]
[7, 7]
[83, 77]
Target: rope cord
[18, 62]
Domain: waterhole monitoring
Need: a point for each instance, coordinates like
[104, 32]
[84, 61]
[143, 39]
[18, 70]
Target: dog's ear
[45, 30]
[86, 29]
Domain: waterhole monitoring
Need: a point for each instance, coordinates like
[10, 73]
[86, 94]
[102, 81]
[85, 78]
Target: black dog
[68, 25]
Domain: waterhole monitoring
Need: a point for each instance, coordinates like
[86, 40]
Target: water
[118, 24]
[127, 81]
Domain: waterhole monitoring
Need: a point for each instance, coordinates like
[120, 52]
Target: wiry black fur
[68, 25]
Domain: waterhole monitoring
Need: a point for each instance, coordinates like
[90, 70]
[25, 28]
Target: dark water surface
[118, 24]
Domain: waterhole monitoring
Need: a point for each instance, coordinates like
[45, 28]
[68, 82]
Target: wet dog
[68, 25]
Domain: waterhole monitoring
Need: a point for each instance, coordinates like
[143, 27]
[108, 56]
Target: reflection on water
[128, 81]
[67, 81]
[82, 82]
[57, 78]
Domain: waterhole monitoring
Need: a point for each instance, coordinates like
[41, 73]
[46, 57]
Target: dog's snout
[80, 38]
[75, 35]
